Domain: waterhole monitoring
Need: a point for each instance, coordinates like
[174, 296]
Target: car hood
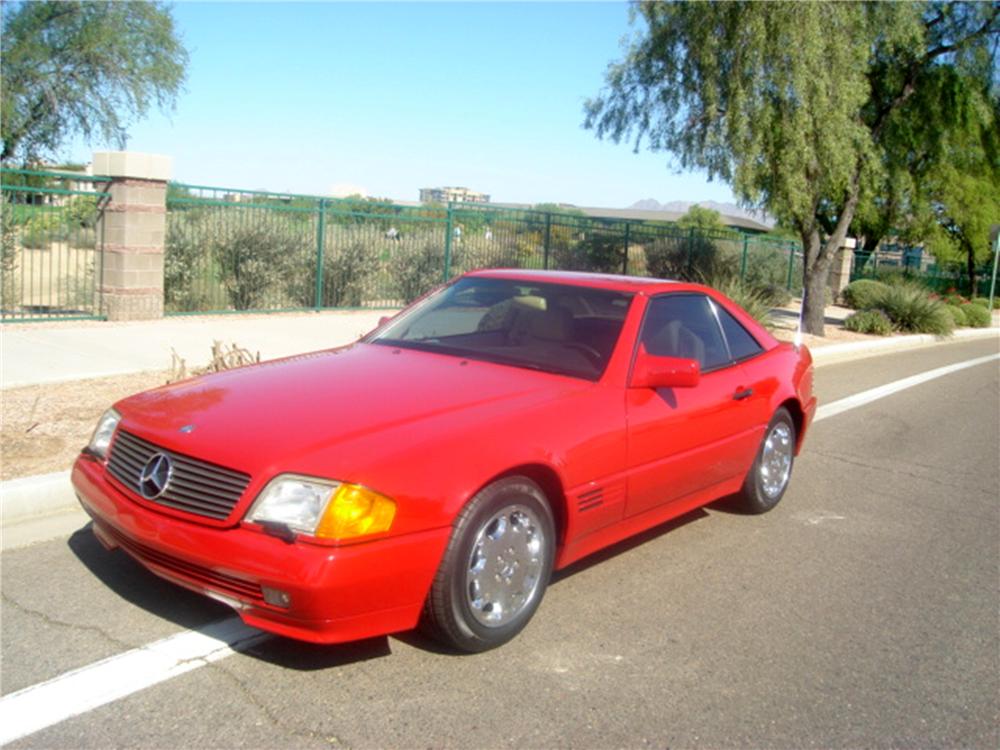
[276, 415]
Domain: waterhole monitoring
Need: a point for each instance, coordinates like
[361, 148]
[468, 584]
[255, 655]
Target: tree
[963, 197]
[702, 220]
[88, 68]
[791, 103]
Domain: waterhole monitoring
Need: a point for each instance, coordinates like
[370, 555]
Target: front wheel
[495, 569]
[768, 478]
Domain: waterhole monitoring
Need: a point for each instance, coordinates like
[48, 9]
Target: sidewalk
[36, 353]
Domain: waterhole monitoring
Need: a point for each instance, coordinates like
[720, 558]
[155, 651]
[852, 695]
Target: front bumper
[336, 593]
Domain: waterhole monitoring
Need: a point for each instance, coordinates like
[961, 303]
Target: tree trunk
[970, 255]
[815, 270]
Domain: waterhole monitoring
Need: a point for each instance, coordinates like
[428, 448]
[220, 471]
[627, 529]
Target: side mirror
[383, 320]
[651, 371]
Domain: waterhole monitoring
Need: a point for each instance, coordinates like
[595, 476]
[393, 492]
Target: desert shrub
[863, 294]
[599, 253]
[869, 321]
[417, 266]
[188, 265]
[767, 267]
[746, 296]
[44, 228]
[10, 296]
[261, 265]
[911, 309]
[957, 315]
[350, 260]
[777, 295]
[666, 257]
[985, 302]
[977, 316]
[955, 299]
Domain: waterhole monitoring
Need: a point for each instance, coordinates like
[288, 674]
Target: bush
[869, 321]
[985, 302]
[775, 294]
[258, 262]
[957, 314]
[912, 309]
[977, 316]
[863, 294]
[349, 262]
[44, 228]
[418, 264]
[747, 297]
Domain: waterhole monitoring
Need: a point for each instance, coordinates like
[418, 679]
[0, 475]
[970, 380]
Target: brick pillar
[840, 274]
[134, 232]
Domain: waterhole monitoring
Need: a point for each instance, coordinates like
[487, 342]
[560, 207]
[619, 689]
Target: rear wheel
[495, 569]
[768, 478]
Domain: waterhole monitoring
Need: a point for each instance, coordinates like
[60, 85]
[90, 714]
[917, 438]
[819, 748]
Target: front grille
[195, 486]
[197, 575]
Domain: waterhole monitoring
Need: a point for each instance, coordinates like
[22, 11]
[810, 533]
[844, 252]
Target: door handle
[742, 394]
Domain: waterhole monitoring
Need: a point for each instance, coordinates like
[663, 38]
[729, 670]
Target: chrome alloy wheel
[505, 565]
[776, 460]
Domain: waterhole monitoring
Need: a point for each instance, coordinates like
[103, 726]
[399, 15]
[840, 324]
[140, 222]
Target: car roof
[615, 282]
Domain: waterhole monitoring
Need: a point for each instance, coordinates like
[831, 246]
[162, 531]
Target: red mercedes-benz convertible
[438, 470]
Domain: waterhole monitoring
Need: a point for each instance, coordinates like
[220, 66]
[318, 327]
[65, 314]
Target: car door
[684, 440]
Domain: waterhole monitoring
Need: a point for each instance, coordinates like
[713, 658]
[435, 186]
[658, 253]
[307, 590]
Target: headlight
[106, 426]
[325, 509]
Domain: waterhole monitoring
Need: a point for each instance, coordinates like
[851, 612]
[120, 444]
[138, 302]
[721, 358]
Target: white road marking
[47, 703]
[39, 706]
[873, 394]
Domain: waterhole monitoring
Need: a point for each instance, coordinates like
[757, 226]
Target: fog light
[276, 597]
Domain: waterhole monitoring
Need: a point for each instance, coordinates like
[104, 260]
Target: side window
[683, 325]
[741, 343]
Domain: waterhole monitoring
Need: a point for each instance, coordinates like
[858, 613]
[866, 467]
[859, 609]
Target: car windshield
[563, 329]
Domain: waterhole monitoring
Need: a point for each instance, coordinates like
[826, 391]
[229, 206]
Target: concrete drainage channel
[39, 508]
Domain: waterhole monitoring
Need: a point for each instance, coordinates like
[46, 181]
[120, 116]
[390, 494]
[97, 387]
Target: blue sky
[392, 97]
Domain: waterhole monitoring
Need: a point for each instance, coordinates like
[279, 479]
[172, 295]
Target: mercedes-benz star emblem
[155, 476]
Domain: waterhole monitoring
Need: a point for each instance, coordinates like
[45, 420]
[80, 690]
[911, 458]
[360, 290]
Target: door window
[683, 325]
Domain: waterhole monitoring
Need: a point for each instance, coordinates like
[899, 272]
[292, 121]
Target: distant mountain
[726, 209]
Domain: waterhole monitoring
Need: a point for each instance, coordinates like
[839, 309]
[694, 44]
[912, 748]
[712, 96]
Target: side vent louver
[590, 499]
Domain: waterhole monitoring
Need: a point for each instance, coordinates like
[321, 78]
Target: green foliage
[911, 309]
[769, 98]
[754, 301]
[704, 220]
[982, 301]
[83, 68]
[349, 260]
[44, 228]
[977, 316]
[958, 315]
[873, 322]
[863, 294]
[9, 294]
[258, 263]
[417, 266]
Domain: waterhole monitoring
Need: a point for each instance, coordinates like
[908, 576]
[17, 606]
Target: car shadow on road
[168, 601]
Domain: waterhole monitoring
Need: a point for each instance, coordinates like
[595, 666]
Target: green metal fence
[943, 279]
[50, 244]
[234, 250]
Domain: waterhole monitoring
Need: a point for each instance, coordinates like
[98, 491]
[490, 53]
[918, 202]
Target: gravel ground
[45, 426]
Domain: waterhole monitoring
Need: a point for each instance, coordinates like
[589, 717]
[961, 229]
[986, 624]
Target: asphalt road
[860, 612]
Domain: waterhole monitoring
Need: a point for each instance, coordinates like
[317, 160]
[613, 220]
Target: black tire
[512, 510]
[761, 490]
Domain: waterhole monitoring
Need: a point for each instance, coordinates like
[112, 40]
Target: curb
[30, 498]
[836, 353]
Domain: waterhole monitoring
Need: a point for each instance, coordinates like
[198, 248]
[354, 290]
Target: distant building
[452, 195]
